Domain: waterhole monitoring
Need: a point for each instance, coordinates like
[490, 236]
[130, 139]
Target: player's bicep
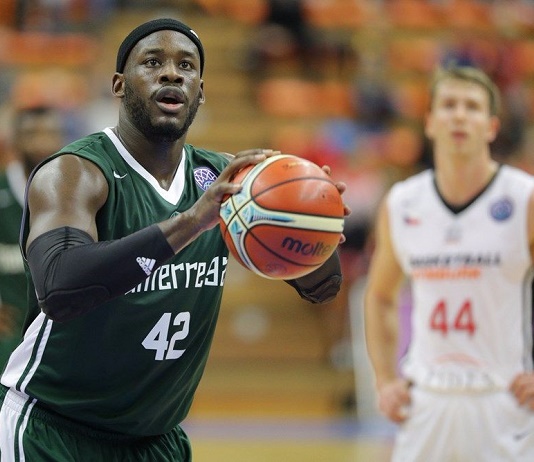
[385, 272]
[530, 221]
[66, 191]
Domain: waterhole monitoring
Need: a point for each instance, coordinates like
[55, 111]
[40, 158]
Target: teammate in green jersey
[126, 266]
[37, 132]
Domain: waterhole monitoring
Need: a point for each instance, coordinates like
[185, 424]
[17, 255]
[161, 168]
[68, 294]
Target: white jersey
[471, 281]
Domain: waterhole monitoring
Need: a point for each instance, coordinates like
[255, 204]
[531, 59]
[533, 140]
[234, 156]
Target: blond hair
[468, 74]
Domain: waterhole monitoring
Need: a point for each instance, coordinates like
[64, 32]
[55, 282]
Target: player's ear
[428, 125]
[117, 86]
[494, 127]
[201, 97]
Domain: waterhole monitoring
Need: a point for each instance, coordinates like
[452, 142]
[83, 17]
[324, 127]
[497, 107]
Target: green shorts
[31, 433]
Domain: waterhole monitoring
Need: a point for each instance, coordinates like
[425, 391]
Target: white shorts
[465, 427]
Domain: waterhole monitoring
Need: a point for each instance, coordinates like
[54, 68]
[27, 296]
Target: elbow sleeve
[323, 284]
[73, 274]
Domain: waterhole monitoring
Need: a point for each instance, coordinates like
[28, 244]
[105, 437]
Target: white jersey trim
[22, 355]
[176, 189]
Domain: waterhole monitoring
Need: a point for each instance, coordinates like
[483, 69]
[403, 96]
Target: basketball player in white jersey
[462, 234]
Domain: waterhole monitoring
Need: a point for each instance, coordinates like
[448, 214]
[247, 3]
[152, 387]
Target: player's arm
[66, 191]
[381, 320]
[522, 387]
[321, 285]
[72, 271]
[530, 225]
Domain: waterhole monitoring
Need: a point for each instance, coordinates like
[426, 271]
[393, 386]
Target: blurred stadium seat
[414, 14]
[413, 53]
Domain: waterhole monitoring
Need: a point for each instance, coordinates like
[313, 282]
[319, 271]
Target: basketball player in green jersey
[127, 266]
[37, 132]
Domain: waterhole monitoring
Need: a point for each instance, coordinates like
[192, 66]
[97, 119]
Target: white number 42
[157, 338]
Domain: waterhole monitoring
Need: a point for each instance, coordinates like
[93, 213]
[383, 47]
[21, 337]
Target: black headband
[150, 27]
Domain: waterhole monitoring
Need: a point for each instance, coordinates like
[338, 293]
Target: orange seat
[419, 14]
[338, 13]
[247, 11]
[524, 58]
[411, 98]
[34, 48]
[53, 87]
[211, 6]
[7, 12]
[337, 99]
[290, 97]
[468, 14]
[298, 98]
[420, 54]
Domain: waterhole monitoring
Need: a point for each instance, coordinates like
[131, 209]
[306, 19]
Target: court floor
[283, 440]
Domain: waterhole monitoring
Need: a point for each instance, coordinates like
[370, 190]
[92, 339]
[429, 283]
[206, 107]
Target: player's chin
[167, 129]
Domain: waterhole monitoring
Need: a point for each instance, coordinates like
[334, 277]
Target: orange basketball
[287, 219]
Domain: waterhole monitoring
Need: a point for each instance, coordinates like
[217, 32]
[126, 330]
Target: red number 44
[462, 320]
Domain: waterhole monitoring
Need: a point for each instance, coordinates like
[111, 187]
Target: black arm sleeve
[321, 285]
[73, 274]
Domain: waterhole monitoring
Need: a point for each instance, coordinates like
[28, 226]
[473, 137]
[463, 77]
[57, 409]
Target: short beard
[167, 132]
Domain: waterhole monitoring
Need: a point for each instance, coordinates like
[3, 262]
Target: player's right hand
[394, 399]
[206, 209]
[241, 160]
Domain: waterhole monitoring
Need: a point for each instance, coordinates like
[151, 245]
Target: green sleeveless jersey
[132, 365]
[13, 293]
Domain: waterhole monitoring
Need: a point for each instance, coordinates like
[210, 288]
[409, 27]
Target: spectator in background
[37, 132]
[283, 33]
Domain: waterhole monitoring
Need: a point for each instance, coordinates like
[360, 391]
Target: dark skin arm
[69, 191]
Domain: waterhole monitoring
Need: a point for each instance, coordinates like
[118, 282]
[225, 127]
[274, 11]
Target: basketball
[287, 219]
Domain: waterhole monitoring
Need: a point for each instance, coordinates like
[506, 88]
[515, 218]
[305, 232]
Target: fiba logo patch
[502, 209]
[204, 177]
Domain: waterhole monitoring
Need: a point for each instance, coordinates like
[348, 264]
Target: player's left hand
[522, 388]
[394, 399]
[341, 187]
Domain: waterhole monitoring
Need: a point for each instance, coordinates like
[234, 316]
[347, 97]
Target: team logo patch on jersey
[502, 209]
[204, 177]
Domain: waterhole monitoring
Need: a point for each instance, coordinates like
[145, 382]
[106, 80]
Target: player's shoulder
[200, 156]
[96, 148]
[413, 184]
[515, 174]
[93, 142]
[84, 154]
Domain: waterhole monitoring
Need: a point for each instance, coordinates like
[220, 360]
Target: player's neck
[460, 183]
[160, 160]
